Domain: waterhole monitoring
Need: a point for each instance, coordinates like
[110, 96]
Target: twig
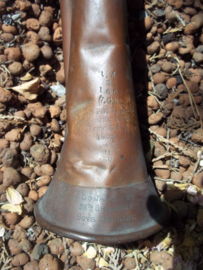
[153, 56]
[151, 78]
[154, 3]
[169, 30]
[177, 93]
[30, 70]
[180, 19]
[156, 56]
[6, 62]
[8, 259]
[11, 117]
[3, 46]
[185, 127]
[192, 100]
[199, 171]
[168, 180]
[44, 140]
[196, 165]
[137, 263]
[187, 141]
[167, 137]
[163, 140]
[115, 258]
[154, 96]
[152, 14]
[16, 120]
[66, 264]
[160, 167]
[167, 154]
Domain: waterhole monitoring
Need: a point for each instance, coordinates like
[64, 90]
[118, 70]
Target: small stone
[159, 78]
[39, 251]
[178, 79]
[130, 263]
[167, 38]
[155, 118]
[160, 12]
[161, 90]
[58, 89]
[155, 68]
[171, 82]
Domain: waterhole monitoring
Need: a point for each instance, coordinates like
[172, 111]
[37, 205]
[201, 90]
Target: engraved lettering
[105, 136]
[116, 101]
[99, 128]
[102, 111]
[101, 99]
[129, 197]
[85, 218]
[109, 100]
[96, 207]
[88, 197]
[118, 219]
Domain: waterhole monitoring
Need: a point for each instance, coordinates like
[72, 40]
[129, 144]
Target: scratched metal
[101, 191]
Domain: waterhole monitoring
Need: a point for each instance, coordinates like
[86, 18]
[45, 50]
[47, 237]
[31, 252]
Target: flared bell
[101, 191]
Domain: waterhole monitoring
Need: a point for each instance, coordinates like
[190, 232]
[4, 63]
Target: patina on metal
[101, 191]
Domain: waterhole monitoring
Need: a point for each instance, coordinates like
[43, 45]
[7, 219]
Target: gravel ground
[166, 43]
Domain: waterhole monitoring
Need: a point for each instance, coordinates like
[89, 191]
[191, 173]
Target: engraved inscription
[103, 118]
[107, 101]
[107, 156]
[99, 198]
[85, 218]
[82, 217]
[98, 208]
[118, 219]
[104, 136]
[88, 210]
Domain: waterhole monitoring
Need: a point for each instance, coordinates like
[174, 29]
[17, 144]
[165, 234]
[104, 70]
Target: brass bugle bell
[101, 191]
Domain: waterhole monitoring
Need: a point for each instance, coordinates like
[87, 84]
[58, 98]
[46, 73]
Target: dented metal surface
[101, 191]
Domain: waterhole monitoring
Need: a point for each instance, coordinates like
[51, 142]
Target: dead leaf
[108, 250]
[91, 253]
[13, 196]
[29, 89]
[182, 186]
[84, 246]
[192, 190]
[27, 77]
[13, 208]
[2, 231]
[165, 243]
[103, 263]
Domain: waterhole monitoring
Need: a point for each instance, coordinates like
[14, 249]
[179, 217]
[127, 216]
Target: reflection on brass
[101, 191]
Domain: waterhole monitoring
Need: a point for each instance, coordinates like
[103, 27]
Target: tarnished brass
[101, 191]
